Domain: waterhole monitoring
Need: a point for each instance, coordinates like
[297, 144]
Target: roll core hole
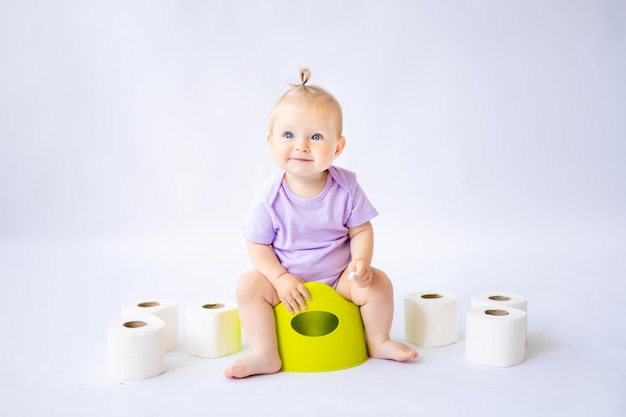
[497, 312]
[213, 306]
[149, 304]
[135, 324]
[431, 296]
[499, 298]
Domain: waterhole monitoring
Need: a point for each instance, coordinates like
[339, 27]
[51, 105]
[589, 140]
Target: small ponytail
[305, 76]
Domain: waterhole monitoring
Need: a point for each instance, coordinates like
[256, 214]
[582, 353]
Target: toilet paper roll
[495, 336]
[213, 329]
[430, 318]
[500, 299]
[136, 347]
[167, 310]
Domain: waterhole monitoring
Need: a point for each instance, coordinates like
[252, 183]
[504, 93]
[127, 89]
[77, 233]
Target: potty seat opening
[315, 323]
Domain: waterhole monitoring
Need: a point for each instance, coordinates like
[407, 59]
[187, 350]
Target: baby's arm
[289, 288]
[362, 250]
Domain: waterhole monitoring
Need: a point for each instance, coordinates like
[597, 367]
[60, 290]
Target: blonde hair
[312, 94]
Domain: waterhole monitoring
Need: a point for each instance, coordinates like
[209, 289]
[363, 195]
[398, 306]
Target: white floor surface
[61, 296]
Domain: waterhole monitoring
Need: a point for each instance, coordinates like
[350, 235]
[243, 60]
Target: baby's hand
[360, 272]
[292, 292]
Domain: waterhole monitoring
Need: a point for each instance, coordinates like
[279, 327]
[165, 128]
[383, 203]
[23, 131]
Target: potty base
[327, 336]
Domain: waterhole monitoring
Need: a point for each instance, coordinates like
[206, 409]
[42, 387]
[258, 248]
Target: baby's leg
[376, 303]
[255, 300]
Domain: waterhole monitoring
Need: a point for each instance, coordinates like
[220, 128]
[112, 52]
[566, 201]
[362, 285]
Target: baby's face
[304, 138]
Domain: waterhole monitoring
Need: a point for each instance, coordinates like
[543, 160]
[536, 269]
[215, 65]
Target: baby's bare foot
[254, 363]
[390, 349]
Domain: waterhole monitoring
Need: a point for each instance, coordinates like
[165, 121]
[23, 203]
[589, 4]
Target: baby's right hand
[292, 292]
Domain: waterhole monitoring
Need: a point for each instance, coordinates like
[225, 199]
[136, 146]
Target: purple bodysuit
[309, 236]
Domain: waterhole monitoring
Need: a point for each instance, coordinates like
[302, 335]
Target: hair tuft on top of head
[310, 95]
[305, 76]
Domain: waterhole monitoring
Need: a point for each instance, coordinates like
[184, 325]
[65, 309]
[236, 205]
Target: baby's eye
[288, 135]
[316, 136]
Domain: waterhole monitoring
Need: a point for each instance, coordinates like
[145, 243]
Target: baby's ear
[269, 138]
[341, 144]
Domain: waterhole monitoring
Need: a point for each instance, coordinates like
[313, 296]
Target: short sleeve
[259, 225]
[362, 209]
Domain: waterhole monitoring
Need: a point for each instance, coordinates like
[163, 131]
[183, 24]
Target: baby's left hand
[361, 272]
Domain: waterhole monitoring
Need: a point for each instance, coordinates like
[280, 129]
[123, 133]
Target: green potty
[327, 336]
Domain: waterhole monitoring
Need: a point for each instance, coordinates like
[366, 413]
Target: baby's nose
[302, 144]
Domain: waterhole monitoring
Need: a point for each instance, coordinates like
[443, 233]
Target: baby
[310, 222]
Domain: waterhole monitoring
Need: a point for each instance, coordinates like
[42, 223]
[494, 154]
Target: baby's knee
[252, 285]
[381, 281]
[244, 286]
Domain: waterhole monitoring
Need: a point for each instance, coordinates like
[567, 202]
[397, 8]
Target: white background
[488, 134]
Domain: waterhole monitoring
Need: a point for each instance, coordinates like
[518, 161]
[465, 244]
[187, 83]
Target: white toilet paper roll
[495, 336]
[499, 299]
[167, 310]
[430, 318]
[213, 329]
[136, 347]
